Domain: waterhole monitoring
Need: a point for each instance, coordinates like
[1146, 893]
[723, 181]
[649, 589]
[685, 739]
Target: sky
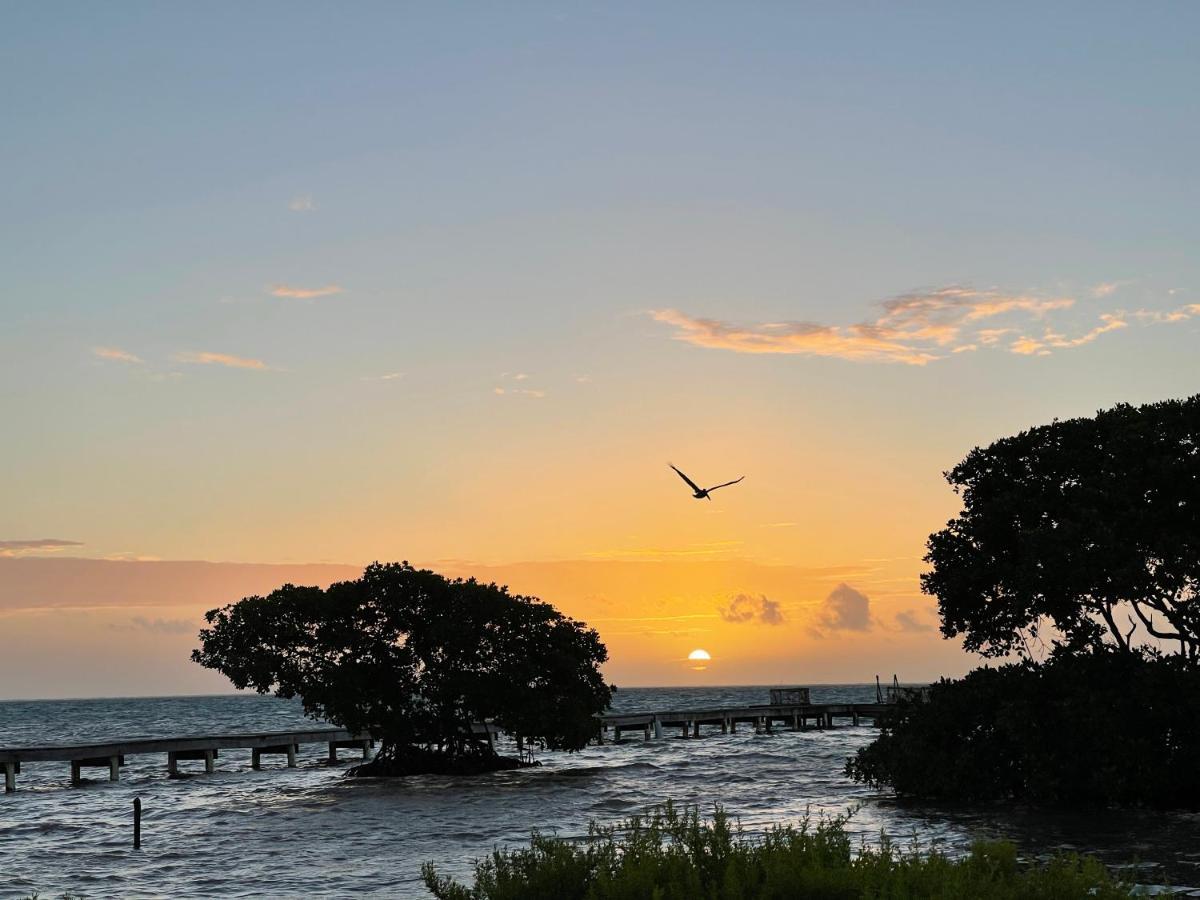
[288, 288]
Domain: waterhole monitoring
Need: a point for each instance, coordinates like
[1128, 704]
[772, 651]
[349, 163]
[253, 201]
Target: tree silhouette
[1090, 526]
[416, 659]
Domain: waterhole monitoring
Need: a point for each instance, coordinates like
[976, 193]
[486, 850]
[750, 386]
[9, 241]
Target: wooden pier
[763, 719]
[652, 723]
[111, 755]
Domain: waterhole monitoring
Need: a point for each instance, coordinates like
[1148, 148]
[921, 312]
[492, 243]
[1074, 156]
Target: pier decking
[762, 718]
[207, 748]
[111, 755]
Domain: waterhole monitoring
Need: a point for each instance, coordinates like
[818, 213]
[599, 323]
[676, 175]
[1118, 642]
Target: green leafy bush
[671, 856]
[1093, 729]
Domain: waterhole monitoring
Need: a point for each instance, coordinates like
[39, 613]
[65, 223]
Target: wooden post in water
[10, 777]
[137, 823]
[291, 755]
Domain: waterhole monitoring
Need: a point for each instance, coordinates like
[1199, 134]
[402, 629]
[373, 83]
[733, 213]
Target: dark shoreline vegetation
[1107, 728]
[1080, 538]
[671, 855]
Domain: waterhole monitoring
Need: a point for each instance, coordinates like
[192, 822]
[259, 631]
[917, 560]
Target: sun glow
[699, 654]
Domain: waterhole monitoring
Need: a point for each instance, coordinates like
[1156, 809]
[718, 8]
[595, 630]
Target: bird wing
[726, 484]
[692, 484]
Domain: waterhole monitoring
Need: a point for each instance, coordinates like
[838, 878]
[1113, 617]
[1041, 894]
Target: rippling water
[309, 831]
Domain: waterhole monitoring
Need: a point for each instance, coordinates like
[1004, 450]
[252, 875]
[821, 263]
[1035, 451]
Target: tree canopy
[1090, 526]
[416, 659]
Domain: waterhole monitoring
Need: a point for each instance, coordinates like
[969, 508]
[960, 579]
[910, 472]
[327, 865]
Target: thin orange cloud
[1042, 346]
[855, 343]
[299, 293]
[116, 354]
[1158, 317]
[206, 358]
[915, 328]
[39, 545]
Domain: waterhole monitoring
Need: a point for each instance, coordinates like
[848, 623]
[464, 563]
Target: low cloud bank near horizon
[73, 623]
[37, 545]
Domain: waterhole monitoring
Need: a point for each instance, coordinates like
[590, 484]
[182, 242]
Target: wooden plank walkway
[111, 754]
[762, 718]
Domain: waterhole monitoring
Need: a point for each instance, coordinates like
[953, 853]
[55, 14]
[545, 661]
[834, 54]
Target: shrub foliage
[679, 856]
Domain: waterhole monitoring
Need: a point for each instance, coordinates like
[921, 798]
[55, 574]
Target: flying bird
[702, 493]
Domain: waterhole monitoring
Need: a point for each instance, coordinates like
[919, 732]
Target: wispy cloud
[748, 608]
[38, 545]
[1160, 317]
[714, 549]
[906, 620]
[302, 203]
[390, 376]
[915, 328]
[165, 626]
[1052, 340]
[301, 293]
[518, 377]
[207, 358]
[116, 355]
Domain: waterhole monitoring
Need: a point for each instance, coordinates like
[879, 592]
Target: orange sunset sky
[288, 293]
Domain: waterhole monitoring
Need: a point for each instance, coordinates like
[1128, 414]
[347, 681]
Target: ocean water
[310, 832]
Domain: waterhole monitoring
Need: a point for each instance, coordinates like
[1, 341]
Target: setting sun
[699, 655]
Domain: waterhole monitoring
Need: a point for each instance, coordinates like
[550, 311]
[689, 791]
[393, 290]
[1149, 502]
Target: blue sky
[310, 282]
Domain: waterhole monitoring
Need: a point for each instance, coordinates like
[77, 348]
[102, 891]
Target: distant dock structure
[789, 708]
[111, 754]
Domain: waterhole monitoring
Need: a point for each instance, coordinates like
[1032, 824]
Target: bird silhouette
[702, 493]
